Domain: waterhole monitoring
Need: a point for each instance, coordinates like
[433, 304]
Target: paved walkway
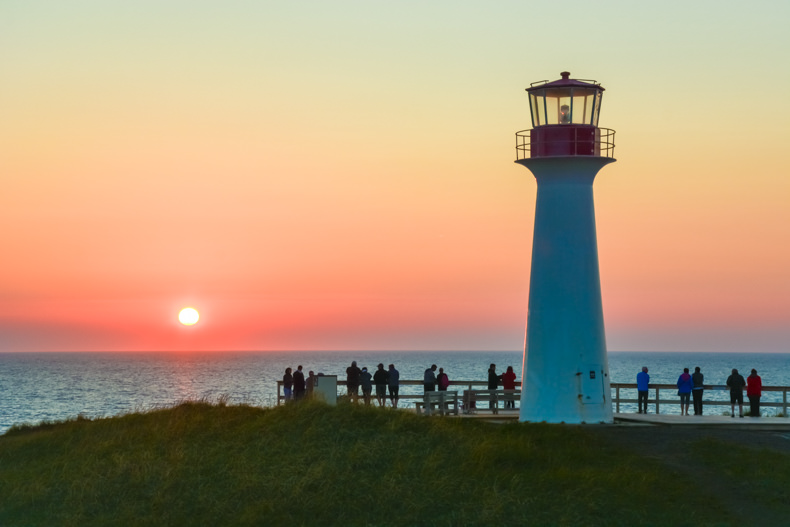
[719, 421]
[778, 424]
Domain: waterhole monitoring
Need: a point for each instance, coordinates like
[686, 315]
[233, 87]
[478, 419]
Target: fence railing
[403, 396]
[713, 395]
[602, 145]
[624, 397]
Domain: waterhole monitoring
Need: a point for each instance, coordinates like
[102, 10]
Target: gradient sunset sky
[339, 175]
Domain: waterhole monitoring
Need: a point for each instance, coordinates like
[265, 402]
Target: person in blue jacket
[642, 385]
[684, 391]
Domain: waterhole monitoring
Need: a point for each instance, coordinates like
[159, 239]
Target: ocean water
[36, 387]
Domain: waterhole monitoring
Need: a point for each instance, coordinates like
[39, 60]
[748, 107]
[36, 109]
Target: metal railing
[604, 144]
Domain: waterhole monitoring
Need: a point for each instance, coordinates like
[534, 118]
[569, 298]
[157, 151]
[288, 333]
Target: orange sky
[316, 176]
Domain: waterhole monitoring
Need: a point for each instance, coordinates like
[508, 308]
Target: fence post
[657, 402]
[784, 402]
[617, 396]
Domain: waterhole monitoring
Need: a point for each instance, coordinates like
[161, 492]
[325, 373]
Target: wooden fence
[667, 394]
[715, 395]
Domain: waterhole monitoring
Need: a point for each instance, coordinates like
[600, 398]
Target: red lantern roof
[565, 82]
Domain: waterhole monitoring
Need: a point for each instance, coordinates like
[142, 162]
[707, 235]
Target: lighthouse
[565, 374]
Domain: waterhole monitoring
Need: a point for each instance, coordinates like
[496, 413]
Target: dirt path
[664, 439]
[670, 446]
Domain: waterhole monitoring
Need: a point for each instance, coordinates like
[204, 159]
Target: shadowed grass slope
[310, 464]
[761, 475]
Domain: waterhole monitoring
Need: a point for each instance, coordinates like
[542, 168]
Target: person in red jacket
[509, 383]
[442, 380]
[754, 389]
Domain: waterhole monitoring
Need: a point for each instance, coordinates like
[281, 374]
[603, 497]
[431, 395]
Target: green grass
[310, 464]
[761, 475]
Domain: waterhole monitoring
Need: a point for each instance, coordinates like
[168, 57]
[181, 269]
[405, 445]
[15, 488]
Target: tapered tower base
[565, 370]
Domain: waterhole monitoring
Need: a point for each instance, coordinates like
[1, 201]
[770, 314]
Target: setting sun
[188, 316]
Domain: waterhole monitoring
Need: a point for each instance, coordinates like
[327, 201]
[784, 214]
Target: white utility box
[325, 389]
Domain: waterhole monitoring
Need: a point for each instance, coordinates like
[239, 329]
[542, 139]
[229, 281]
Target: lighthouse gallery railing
[575, 145]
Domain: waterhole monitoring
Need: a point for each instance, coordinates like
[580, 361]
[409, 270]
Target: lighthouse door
[592, 384]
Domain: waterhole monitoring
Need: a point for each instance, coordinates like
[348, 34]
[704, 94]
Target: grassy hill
[310, 464]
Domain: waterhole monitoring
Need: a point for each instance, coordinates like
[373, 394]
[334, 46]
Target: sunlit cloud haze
[339, 175]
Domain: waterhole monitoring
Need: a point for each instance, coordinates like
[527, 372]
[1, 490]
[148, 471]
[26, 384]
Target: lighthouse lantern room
[565, 117]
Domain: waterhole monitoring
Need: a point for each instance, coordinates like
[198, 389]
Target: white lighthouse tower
[565, 376]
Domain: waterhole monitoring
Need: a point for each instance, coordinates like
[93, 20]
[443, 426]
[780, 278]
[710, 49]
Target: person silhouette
[696, 393]
[565, 114]
[352, 380]
[509, 383]
[685, 385]
[380, 379]
[493, 384]
[735, 383]
[754, 389]
[393, 381]
[642, 387]
[429, 379]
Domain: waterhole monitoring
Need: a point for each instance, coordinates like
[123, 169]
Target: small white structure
[325, 389]
[565, 375]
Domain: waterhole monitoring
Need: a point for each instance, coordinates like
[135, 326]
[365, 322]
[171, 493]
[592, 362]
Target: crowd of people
[296, 386]
[692, 385]
[387, 383]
